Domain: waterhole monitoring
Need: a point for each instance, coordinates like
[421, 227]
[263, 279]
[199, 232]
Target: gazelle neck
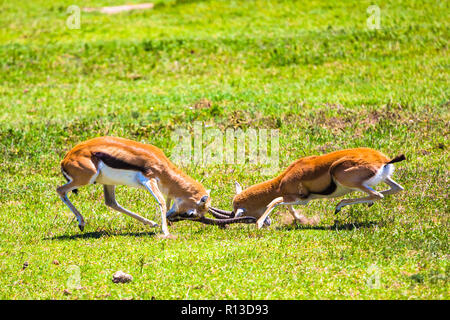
[176, 183]
[259, 195]
[269, 189]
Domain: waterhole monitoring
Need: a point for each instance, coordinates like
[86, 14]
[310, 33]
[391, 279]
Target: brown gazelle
[326, 176]
[116, 161]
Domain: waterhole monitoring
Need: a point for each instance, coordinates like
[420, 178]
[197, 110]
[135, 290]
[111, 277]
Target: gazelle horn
[228, 213]
[219, 222]
[218, 215]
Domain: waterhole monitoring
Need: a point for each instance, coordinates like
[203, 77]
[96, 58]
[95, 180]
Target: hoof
[81, 227]
[151, 224]
[337, 211]
[371, 204]
[166, 236]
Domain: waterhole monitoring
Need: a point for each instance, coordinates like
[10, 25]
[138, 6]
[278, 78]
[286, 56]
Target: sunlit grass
[311, 70]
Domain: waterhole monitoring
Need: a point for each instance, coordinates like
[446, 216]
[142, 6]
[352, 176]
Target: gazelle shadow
[100, 234]
[335, 227]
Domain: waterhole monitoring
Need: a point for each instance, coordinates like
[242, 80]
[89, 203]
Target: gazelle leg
[79, 173]
[373, 196]
[288, 200]
[294, 213]
[162, 205]
[168, 203]
[152, 186]
[110, 201]
[270, 207]
[352, 176]
[299, 218]
[395, 187]
[62, 192]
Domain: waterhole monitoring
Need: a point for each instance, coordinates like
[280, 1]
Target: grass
[312, 70]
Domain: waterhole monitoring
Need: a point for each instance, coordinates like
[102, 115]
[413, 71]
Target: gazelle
[116, 161]
[327, 176]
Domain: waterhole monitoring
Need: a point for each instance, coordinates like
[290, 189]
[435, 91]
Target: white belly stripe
[111, 176]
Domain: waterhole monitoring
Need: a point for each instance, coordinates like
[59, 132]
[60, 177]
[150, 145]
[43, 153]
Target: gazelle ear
[201, 203]
[238, 187]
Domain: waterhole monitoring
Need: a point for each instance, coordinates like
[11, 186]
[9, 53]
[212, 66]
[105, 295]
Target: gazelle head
[247, 202]
[189, 208]
[243, 204]
[240, 211]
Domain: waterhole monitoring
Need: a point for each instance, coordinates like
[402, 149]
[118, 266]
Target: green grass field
[311, 69]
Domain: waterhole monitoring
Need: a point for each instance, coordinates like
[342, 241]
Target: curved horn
[247, 220]
[228, 213]
[218, 222]
[218, 215]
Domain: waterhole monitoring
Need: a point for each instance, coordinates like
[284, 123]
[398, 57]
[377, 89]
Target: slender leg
[152, 186]
[110, 201]
[62, 192]
[72, 208]
[373, 195]
[168, 204]
[288, 200]
[82, 173]
[162, 205]
[395, 187]
[294, 213]
[270, 207]
[299, 218]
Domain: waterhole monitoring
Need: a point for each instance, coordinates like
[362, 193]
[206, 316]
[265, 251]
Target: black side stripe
[329, 190]
[116, 163]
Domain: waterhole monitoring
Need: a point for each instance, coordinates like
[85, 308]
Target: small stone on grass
[122, 277]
